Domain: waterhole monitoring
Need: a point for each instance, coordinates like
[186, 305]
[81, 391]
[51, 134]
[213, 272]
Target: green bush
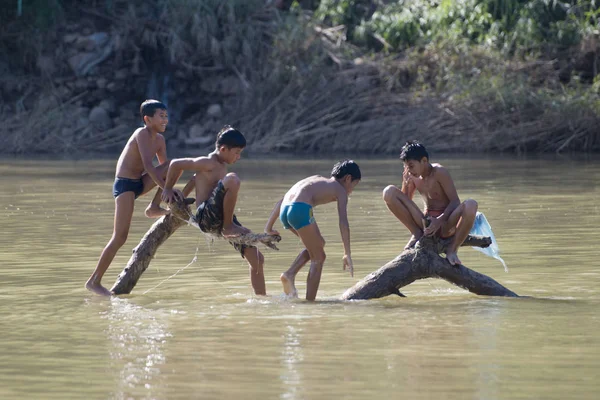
[400, 25]
[463, 20]
[344, 12]
[515, 26]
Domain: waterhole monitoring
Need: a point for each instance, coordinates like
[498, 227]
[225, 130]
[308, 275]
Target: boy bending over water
[216, 196]
[135, 176]
[448, 216]
[296, 214]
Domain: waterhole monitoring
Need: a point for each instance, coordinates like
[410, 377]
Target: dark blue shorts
[123, 185]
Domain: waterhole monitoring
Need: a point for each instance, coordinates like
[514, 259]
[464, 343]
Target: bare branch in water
[422, 262]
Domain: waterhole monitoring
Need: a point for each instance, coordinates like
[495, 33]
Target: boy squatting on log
[216, 196]
[135, 176]
[448, 216]
[295, 211]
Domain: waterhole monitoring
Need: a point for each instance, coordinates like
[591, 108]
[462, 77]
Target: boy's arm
[189, 186]
[161, 154]
[408, 185]
[342, 199]
[272, 218]
[145, 149]
[447, 185]
[176, 168]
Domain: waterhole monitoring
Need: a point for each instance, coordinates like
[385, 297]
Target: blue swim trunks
[123, 185]
[296, 215]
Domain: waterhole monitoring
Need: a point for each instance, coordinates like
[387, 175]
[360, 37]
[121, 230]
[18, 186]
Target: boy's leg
[288, 278]
[231, 182]
[256, 262]
[462, 218]
[189, 187]
[154, 210]
[149, 183]
[314, 243]
[406, 211]
[124, 204]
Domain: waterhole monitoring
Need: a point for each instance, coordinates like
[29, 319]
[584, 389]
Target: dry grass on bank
[56, 130]
[301, 88]
[335, 114]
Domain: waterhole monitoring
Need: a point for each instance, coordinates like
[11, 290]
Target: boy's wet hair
[149, 107]
[346, 167]
[230, 137]
[413, 150]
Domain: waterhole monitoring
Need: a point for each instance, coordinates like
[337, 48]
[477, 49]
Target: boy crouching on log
[295, 213]
[216, 196]
[448, 216]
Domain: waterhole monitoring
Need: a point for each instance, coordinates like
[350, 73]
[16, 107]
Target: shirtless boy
[448, 216]
[135, 176]
[295, 211]
[216, 196]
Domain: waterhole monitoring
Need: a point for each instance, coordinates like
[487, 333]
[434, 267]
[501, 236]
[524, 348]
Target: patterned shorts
[210, 216]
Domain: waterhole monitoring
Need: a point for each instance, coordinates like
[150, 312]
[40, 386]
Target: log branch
[160, 231]
[144, 252]
[424, 261]
[421, 262]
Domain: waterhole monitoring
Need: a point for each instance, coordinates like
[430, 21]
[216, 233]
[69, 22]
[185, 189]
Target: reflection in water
[440, 342]
[485, 323]
[291, 357]
[137, 337]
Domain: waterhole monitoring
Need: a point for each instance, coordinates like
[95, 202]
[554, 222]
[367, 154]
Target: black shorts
[123, 185]
[209, 216]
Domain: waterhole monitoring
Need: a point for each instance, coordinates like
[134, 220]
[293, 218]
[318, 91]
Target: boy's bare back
[315, 190]
[141, 144]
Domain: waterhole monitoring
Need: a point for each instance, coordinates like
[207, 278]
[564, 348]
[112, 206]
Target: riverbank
[293, 80]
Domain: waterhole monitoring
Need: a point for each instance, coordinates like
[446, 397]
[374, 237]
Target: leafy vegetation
[521, 68]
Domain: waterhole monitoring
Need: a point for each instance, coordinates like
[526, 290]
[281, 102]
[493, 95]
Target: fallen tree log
[423, 261]
[144, 252]
[159, 232]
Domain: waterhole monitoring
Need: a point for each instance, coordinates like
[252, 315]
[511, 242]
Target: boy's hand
[434, 225]
[271, 231]
[407, 177]
[171, 195]
[347, 260]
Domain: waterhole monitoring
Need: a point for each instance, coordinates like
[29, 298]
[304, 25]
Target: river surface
[195, 330]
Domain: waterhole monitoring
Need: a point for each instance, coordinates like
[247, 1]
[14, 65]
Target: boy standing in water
[448, 216]
[216, 196]
[296, 214]
[135, 176]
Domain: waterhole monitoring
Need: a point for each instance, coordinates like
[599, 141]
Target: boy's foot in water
[289, 288]
[97, 288]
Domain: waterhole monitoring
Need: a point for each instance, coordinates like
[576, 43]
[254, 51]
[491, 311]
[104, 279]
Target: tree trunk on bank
[421, 262]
